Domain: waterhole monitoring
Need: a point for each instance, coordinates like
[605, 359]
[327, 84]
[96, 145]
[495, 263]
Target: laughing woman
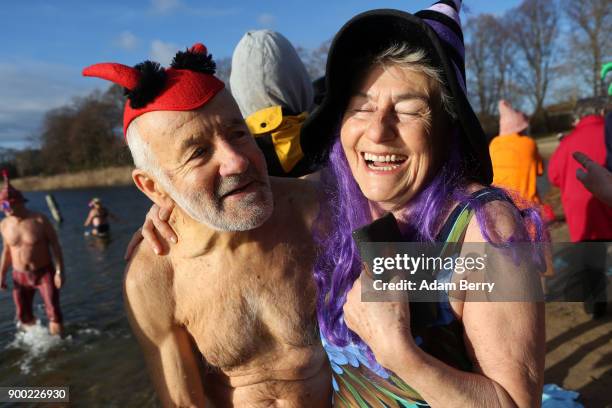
[403, 139]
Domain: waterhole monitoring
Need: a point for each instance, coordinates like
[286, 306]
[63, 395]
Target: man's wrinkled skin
[227, 318]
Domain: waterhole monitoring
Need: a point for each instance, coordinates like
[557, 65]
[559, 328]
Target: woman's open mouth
[383, 162]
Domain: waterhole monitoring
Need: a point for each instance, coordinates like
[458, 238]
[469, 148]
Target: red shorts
[25, 285]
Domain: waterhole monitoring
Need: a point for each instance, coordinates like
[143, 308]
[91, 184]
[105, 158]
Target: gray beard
[253, 213]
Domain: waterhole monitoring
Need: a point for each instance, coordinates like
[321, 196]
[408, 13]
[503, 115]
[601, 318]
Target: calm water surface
[98, 359]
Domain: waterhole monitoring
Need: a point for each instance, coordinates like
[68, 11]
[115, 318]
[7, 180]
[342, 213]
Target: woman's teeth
[383, 162]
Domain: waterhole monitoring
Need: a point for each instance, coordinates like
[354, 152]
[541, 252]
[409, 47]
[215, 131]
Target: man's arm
[89, 218]
[56, 251]
[5, 263]
[166, 344]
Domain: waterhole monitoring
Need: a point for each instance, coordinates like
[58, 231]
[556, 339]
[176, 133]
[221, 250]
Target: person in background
[32, 248]
[588, 218]
[515, 158]
[98, 218]
[274, 93]
[605, 70]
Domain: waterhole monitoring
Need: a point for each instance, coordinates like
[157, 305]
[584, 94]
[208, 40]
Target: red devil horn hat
[123, 75]
[187, 84]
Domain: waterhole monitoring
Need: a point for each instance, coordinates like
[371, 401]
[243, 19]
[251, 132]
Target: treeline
[83, 135]
[542, 56]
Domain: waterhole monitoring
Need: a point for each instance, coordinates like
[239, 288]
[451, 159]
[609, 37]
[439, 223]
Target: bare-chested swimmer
[228, 317]
[32, 248]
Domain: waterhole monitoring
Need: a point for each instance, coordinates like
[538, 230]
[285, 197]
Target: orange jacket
[516, 164]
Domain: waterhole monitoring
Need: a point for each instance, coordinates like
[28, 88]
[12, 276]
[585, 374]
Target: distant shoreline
[122, 176]
[105, 177]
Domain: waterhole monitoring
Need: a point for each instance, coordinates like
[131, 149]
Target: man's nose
[380, 128]
[231, 160]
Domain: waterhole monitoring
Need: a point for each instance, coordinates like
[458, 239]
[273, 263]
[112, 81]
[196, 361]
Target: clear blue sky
[45, 44]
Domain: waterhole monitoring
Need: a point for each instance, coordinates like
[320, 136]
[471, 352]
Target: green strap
[604, 71]
[460, 225]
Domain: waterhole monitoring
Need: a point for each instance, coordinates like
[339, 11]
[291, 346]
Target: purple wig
[345, 208]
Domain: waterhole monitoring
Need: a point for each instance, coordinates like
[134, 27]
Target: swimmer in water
[98, 218]
[32, 248]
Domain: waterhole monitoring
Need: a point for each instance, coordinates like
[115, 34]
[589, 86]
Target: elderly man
[32, 248]
[228, 317]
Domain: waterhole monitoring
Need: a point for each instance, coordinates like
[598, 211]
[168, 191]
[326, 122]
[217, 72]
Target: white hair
[143, 156]
[416, 60]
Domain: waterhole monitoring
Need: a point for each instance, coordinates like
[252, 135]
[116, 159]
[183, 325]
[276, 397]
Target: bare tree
[84, 134]
[478, 58]
[224, 69]
[314, 60]
[590, 23]
[489, 63]
[534, 27]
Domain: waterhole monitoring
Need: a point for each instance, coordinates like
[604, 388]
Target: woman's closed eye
[363, 108]
[409, 113]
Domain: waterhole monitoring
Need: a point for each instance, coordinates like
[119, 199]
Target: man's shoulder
[38, 217]
[147, 273]
[149, 296]
[5, 221]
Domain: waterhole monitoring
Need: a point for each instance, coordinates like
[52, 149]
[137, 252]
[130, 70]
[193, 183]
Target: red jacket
[587, 217]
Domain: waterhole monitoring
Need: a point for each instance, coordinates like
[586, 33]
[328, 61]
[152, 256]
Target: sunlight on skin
[390, 115]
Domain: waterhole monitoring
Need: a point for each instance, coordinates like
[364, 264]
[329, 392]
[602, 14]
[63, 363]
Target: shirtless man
[32, 248]
[228, 316]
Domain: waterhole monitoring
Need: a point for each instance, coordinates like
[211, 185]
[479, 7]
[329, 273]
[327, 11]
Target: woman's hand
[383, 326]
[156, 222]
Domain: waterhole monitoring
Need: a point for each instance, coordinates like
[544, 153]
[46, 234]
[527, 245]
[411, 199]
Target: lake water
[98, 359]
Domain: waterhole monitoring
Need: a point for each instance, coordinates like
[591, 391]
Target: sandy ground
[579, 353]
[579, 349]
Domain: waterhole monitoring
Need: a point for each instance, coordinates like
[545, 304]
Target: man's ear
[151, 188]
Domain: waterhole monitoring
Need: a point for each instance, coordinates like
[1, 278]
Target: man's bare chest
[242, 307]
[23, 233]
